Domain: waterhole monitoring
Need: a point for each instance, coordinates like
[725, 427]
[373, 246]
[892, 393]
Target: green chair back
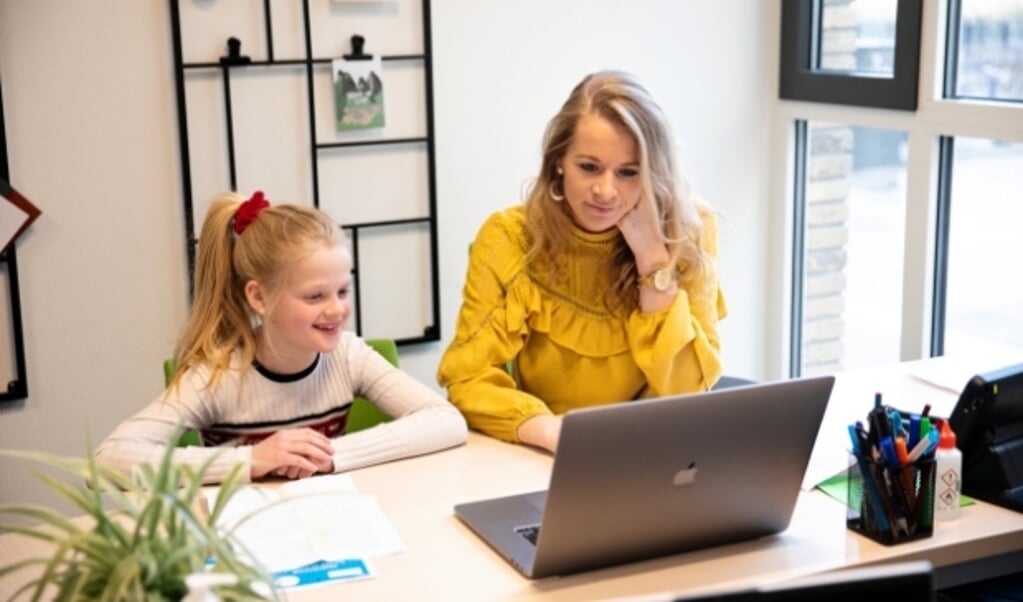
[191, 436]
[364, 413]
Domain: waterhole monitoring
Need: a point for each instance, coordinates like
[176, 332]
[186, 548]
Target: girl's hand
[292, 453]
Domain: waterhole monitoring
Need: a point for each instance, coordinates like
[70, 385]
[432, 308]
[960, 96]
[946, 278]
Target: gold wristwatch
[661, 279]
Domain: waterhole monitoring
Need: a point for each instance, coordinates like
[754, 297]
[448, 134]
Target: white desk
[444, 560]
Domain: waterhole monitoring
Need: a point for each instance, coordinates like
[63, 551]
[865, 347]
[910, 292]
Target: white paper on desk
[952, 372]
[935, 381]
[830, 453]
[307, 521]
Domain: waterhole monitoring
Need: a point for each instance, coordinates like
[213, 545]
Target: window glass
[861, 53]
[984, 297]
[990, 50]
[854, 218]
[857, 36]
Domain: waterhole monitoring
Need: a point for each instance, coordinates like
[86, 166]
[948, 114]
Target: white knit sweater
[251, 403]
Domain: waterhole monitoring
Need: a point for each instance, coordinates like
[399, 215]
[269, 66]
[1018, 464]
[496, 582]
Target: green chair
[364, 413]
[191, 436]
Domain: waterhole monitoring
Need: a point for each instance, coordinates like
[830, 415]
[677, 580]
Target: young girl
[266, 372]
[601, 288]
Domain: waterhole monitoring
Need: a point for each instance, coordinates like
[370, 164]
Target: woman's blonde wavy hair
[221, 320]
[621, 99]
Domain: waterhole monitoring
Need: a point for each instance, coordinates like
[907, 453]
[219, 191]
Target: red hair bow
[248, 211]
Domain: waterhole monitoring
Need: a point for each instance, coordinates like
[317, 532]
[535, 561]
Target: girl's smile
[309, 313]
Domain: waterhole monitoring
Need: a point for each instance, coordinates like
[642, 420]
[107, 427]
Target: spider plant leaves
[141, 536]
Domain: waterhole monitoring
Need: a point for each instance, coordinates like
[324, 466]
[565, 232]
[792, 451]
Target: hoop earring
[556, 196]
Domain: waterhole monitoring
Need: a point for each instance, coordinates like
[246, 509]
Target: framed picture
[358, 93]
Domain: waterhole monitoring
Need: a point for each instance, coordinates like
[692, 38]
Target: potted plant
[143, 537]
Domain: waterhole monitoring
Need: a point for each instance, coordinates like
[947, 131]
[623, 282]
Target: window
[857, 52]
[986, 50]
[905, 216]
[857, 38]
[983, 309]
[982, 208]
[853, 219]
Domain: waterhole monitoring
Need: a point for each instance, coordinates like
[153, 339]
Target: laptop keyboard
[530, 532]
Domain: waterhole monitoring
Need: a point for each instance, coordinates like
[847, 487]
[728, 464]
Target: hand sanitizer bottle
[948, 481]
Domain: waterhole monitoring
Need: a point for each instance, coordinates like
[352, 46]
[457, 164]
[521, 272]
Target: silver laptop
[655, 477]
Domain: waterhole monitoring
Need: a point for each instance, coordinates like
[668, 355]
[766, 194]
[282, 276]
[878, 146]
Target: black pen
[880, 425]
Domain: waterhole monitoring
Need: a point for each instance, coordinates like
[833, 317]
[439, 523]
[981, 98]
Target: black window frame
[799, 81]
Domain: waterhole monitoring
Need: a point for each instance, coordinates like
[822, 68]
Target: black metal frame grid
[431, 332]
[17, 388]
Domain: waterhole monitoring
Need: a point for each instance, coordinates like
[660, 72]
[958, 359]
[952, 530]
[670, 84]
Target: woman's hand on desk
[541, 431]
[293, 454]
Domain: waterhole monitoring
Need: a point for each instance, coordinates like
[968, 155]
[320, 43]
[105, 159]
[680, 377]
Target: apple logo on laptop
[686, 476]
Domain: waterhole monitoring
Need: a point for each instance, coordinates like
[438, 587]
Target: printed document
[322, 518]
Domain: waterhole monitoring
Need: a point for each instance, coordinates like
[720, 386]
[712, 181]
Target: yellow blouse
[568, 350]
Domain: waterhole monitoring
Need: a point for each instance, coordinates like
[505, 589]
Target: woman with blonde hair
[600, 288]
[265, 370]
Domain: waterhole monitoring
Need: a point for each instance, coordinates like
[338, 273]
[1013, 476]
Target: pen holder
[891, 504]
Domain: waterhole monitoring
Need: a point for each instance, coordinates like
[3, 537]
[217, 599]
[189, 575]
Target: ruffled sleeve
[490, 332]
[678, 349]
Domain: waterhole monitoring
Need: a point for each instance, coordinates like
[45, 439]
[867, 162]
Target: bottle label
[949, 494]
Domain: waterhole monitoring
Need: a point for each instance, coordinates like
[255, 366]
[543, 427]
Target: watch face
[662, 279]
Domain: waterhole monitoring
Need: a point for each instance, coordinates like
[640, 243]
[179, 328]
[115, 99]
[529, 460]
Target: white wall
[91, 123]
[703, 60]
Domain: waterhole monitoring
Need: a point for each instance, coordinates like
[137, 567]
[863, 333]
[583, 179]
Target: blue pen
[888, 451]
[914, 430]
[896, 419]
[854, 436]
[873, 497]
